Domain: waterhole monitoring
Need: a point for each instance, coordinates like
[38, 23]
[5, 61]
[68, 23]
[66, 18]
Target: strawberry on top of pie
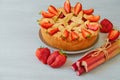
[69, 28]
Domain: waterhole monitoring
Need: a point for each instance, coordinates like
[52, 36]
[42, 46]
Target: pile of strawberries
[107, 27]
[55, 60]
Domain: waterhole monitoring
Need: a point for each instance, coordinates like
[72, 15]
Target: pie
[69, 27]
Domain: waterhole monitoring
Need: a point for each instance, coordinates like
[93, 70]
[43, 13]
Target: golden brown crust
[68, 45]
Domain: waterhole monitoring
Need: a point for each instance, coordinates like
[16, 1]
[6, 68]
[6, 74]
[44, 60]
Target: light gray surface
[19, 40]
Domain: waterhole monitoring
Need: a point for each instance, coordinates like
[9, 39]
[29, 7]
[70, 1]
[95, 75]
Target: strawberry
[88, 11]
[65, 34]
[61, 15]
[74, 35]
[107, 26]
[52, 57]
[42, 54]
[93, 26]
[92, 18]
[53, 31]
[86, 33]
[70, 21]
[67, 6]
[47, 14]
[113, 35]
[77, 8]
[56, 59]
[52, 10]
[46, 25]
[119, 33]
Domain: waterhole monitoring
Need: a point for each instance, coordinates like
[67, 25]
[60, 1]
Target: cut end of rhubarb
[81, 71]
[78, 63]
[85, 65]
[74, 67]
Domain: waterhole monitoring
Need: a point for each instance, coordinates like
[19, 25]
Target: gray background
[19, 39]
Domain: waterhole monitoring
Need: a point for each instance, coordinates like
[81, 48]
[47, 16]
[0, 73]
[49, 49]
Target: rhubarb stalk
[87, 64]
[77, 65]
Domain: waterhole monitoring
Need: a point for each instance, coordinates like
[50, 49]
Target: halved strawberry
[92, 18]
[46, 25]
[74, 35]
[93, 26]
[86, 33]
[113, 35]
[47, 14]
[77, 8]
[61, 15]
[52, 10]
[65, 34]
[107, 26]
[119, 33]
[70, 21]
[88, 11]
[53, 31]
[67, 6]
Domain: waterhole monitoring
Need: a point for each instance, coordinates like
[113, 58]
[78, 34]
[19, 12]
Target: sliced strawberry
[65, 34]
[53, 31]
[46, 25]
[86, 33]
[88, 11]
[92, 18]
[47, 14]
[107, 26]
[67, 6]
[77, 8]
[70, 21]
[74, 35]
[93, 26]
[113, 35]
[52, 10]
[78, 25]
[119, 33]
[61, 15]
[84, 19]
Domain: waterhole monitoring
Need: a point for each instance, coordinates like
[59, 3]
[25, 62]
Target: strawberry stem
[62, 53]
[40, 12]
[42, 46]
[38, 21]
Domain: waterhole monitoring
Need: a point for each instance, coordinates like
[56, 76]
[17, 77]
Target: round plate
[68, 52]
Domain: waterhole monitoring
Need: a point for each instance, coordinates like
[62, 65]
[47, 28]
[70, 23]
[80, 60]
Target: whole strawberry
[56, 59]
[113, 35]
[42, 54]
[107, 26]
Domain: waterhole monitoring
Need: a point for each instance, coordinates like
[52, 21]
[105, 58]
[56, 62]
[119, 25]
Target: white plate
[68, 52]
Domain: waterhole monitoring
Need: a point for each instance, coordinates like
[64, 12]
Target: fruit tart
[69, 27]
